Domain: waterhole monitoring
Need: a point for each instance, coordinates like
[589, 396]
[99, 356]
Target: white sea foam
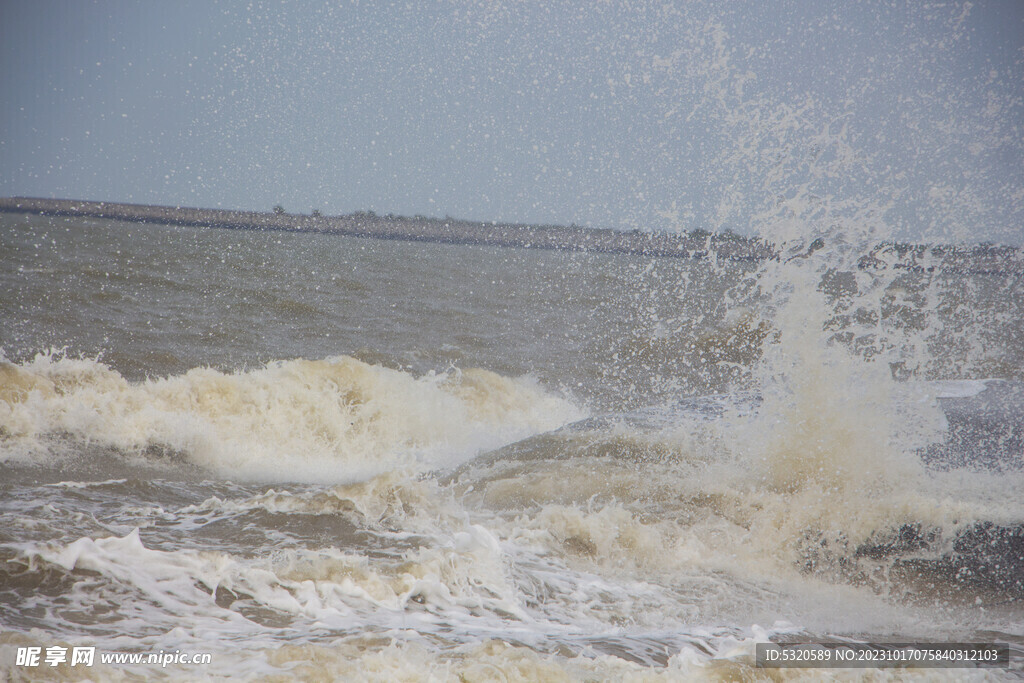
[469, 586]
[308, 420]
[648, 549]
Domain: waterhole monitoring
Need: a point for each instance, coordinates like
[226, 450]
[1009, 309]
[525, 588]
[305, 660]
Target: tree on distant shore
[279, 209]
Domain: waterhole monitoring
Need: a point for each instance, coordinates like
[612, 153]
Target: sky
[630, 115]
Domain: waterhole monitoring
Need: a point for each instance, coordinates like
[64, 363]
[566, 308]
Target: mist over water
[345, 449]
[330, 457]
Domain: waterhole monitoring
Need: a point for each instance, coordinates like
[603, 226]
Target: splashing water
[371, 458]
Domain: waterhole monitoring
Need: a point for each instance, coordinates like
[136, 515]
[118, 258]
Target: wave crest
[336, 419]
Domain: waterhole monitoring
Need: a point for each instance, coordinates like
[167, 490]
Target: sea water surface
[335, 458]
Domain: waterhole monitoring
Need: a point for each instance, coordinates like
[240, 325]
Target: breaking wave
[336, 419]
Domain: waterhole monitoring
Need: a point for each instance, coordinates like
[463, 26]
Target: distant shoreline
[981, 259]
[417, 228]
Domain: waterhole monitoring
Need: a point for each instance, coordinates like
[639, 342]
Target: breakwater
[417, 228]
[698, 244]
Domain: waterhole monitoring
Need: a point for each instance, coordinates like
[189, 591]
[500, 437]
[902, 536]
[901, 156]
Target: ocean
[328, 457]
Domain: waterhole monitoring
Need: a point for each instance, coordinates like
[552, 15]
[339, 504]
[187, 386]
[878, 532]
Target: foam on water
[299, 610]
[300, 420]
[462, 524]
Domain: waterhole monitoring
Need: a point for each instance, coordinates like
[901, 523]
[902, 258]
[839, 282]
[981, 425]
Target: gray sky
[650, 115]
